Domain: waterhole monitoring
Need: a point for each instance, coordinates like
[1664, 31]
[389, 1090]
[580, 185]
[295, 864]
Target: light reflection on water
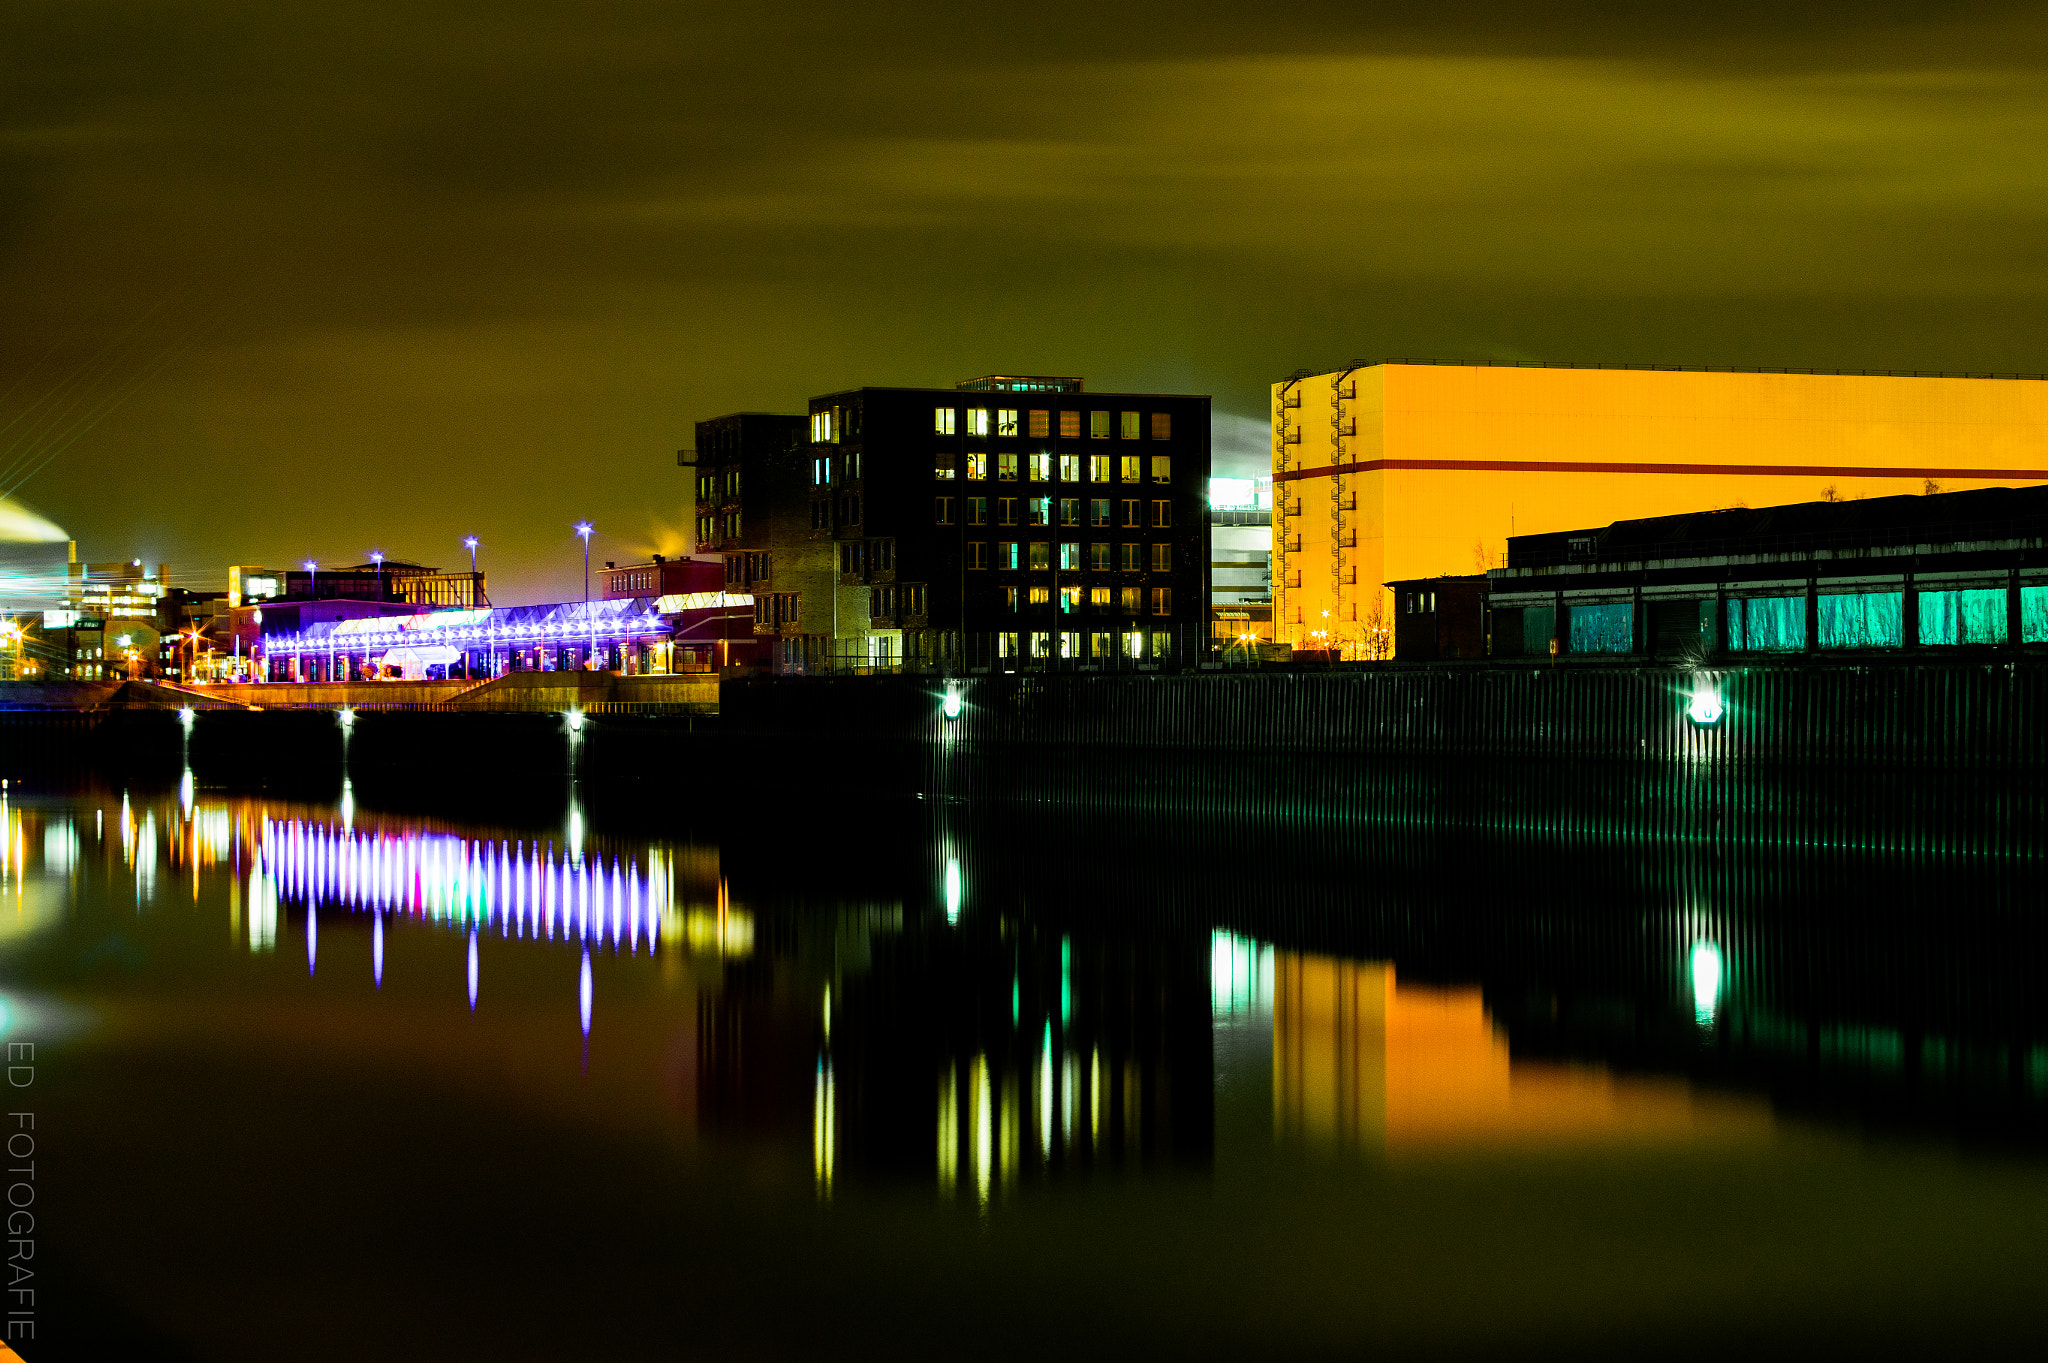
[852, 1042]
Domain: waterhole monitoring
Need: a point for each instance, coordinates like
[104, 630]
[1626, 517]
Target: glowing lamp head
[377, 556]
[575, 720]
[1706, 980]
[185, 716]
[469, 543]
[584, 528]
[951, 706]
[310, 564]
[347, 717]
[1705, 708]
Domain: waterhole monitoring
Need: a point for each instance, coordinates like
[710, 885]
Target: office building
[1406, 471]
[1004, 520]
[660, 576]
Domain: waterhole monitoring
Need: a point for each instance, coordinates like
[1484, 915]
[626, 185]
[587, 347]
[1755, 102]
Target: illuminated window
[1129, 598]
[1006, 421]
[1098, 557]
[1162, 558]
[1041, 425]
[1006, 511]
[942, 466]
[1162, 426]
[1098, 511]
[1098, 468]
[942, 510]
[977, 554]
[1070, 600]
[1070, 555]
[1010, 605]
[1162, 513]
[1041, 468]
[1041, 554]
[977, 466]
[1162, 600]
[1070, 468]
[1098, 425]
[1006, 554]
[1131, 466]
[1129, 427]
[1162, 468]
[1098, 597]
[942, 420]
[1038, 510]
[977, 421]
[1041, 596]
[1070, 511]
[977, 511]
[1070, 425]
[1006, 468]
[1129, 557]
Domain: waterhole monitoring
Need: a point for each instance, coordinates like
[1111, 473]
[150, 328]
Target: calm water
[639, 1080]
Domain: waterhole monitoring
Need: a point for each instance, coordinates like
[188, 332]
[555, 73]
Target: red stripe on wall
[1568, 466]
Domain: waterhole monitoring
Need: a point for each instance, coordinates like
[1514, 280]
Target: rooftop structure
[1017, 383]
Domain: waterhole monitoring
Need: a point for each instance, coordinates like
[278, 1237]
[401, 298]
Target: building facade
[661, 576]
[1002, 520]
[1404, 471]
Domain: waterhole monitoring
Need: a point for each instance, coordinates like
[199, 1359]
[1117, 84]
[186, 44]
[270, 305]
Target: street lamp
[312, 568]
[377, 557]
[583, 528]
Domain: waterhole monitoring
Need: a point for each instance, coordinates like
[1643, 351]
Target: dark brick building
[1006, 518]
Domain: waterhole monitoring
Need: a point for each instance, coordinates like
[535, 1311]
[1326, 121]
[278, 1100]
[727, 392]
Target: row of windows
[848, 464]
[1039, 510]
[883, 601]
[1073, 556]
[1099, 600]
[866, 556]
[637, 580]
[1129, 468]
[775, 608]
[746, 569]
[849, 512]
[718, 485]
[725, 526]
[1038, 424]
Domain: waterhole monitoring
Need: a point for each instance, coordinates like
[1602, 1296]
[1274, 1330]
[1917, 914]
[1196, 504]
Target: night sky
[292, 280]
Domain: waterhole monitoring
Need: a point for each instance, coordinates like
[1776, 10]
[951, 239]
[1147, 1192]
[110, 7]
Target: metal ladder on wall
[1343, 426]
[1290, 389]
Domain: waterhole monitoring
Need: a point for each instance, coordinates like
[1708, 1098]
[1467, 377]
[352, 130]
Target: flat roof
[1667, 369]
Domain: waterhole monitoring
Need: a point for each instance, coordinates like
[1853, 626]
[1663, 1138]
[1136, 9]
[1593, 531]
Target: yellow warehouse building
[1405, 470]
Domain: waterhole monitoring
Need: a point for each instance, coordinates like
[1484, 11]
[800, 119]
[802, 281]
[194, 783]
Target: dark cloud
[406, 272]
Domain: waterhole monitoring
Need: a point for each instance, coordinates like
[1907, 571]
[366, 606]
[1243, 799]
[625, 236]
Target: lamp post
[583, 528]
[377, 557]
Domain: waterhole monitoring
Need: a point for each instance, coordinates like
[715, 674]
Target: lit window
[1162, 558]
[977, 554]
[977, 511]
[1128, 557]
[977, 421]
[1041, 596]
[1010, 604]
[1041, 468]
[942, 508]
[942, 420]
[1129, 598]
[1070, 601]
[1006, 421]
[1098, 597]
[977, 466]
[1098, 425]
[942, 466]
[1041, 425]
[1162, 426]
[1041, 554]
[1070, 511]
[1006, 468]
[1162, 513]
[1130, 469]
[1098, 468]
[1162, 468]
[1038, 510]
[1006, 554]
[1129, 425]
[1098, 557]
[1070, 425]
[1070, 555]
[1162, 600]
[1070, 468]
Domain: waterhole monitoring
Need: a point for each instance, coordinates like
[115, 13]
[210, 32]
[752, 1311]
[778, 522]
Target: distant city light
[952, 703]
[953, 890]
[575, 718]
[185, 716]
[347, 716]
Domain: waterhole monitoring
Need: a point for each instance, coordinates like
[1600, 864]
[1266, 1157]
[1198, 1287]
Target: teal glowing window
[1767, 624]
[1967, 617]
[1861, 620]
[1603, 629]
[2034, 615]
